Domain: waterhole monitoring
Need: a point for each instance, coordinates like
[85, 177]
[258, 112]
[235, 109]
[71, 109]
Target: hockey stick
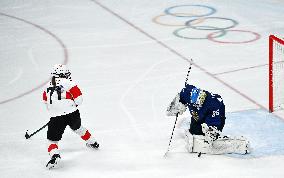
[191, 61]
[189, 69]
[171, 137]
[29, 136]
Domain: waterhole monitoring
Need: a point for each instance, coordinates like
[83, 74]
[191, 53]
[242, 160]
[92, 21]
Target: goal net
[276, 73]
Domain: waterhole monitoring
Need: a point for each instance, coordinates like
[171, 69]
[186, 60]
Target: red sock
[53, 148]
[86, 136]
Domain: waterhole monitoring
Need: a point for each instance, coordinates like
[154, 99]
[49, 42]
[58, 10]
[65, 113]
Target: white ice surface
[129, 68]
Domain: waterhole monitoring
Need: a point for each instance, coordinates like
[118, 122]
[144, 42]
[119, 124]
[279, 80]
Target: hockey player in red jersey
[62, 96]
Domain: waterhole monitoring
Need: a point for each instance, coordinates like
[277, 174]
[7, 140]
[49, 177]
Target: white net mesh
[278, 75]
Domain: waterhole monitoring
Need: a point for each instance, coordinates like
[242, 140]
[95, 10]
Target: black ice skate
[93, 145]
[53, 162]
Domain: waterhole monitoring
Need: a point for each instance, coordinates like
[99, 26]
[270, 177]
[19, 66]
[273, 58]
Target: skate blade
[91, 147]
[53, 166]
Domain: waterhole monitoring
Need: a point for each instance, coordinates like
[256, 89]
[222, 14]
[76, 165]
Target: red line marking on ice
[47, 32]
[237, 70]
[177, 53]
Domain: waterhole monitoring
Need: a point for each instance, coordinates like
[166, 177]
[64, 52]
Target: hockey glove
[211, 133]
[175, 107]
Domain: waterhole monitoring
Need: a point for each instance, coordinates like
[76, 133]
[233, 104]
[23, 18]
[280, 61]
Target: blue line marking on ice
[264, 130]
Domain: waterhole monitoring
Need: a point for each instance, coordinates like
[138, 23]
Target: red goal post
[276, 73]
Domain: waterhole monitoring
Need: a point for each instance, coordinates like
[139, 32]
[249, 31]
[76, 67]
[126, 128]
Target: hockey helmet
[60, 70]
[197, 96]
[194, 95]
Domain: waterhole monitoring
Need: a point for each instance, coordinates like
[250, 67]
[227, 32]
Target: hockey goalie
[206, 124]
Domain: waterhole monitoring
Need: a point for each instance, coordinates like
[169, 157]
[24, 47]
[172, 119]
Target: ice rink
[130, 58]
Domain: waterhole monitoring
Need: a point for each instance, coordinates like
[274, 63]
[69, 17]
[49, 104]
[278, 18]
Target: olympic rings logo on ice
[193, 24]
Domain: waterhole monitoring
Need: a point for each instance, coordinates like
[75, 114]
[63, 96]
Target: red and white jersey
[63, 98]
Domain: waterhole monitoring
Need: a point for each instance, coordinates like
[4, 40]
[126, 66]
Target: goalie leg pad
[239, 145]
[225, 145]
[188, 141]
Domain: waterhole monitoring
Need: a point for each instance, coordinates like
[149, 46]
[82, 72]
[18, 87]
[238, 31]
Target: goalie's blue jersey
[204, 107]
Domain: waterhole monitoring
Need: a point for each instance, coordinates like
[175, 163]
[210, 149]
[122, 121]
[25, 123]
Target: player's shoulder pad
[68, 84]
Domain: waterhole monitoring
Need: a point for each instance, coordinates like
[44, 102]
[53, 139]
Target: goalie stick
[189, 69]
[166, 154]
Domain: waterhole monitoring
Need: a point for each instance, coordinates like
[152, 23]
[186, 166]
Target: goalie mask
[197, 97]
[61, 71]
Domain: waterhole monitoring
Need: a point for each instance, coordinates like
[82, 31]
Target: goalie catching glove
[176, 107]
